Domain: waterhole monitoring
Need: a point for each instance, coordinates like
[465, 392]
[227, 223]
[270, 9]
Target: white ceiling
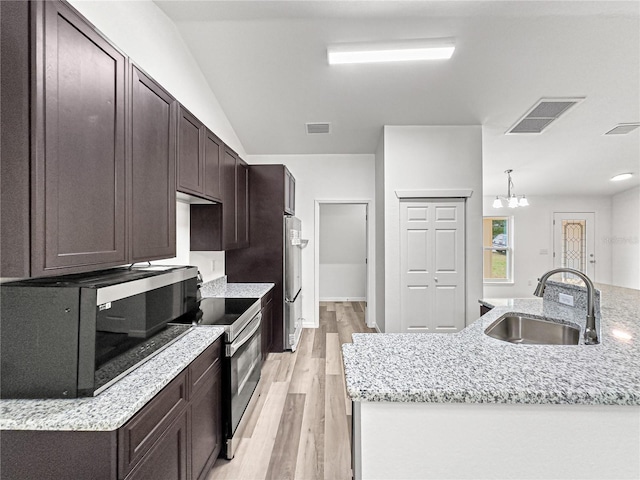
[266, 63]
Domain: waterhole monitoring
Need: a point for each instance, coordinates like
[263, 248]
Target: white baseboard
[343, 299]
[309, 324]
[376, 327]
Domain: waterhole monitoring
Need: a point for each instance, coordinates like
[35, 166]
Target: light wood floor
[301, 426]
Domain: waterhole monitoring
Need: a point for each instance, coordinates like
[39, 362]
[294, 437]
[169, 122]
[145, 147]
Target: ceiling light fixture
[398, 51]
[513, 200]
[622, 176]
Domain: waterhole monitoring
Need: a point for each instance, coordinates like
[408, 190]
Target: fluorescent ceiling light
[400, 51]
[622, 176]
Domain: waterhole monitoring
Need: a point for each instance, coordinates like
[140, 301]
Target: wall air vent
[315, 128]
[623, 128]
[542, 114]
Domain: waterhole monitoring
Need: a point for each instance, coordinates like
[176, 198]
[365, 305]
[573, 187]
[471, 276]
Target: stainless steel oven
[241, 319]
[243, 359]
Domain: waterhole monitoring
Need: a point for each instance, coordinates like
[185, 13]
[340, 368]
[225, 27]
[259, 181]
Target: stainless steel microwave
[74, 335]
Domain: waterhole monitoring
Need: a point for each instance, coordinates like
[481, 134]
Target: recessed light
[398, 51]
[622, 176]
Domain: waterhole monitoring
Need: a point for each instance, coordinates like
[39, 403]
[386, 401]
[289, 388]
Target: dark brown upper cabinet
[289, 192]
[190, 153]
[80, 193]
[200, 154]
[213, 154]
[235, 203]
[224, 226]
[152, 177]
[229, 196]
[78, 112]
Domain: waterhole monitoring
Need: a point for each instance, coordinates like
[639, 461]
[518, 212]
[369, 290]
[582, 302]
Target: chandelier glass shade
[512, 200]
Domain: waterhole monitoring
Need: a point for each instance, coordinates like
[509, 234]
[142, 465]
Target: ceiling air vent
[315, 128]
[540, 116]
[623, 128]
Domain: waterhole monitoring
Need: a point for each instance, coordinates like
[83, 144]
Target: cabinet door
[289, 192]
[242, 204]
[206, 424]
[137, 437]
[190, 153]
[167, 460]
[229, 191]
[213, 154]
[79, 192]
[152, 170]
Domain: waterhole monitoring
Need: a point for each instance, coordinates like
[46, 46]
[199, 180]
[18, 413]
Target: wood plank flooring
[301, 426]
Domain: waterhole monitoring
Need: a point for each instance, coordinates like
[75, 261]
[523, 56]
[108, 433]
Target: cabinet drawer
[140, 433]
[201, 368]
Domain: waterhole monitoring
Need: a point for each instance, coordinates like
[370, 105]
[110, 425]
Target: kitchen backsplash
[579, 293]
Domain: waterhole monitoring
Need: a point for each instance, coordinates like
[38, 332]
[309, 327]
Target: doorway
[342, 245]
[574, 241]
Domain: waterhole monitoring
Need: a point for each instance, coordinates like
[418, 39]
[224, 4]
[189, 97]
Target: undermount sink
[532, 331]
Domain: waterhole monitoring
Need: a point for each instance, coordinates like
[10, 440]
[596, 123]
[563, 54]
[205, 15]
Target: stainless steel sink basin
[532, 331]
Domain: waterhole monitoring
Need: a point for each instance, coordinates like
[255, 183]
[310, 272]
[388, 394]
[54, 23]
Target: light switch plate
[565, 299]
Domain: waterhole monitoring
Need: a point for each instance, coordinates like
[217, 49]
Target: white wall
[144, 33]
[379, 235]
[533, 233]
[432, 157]
[324, 177]
[343, 252]
[625, 239]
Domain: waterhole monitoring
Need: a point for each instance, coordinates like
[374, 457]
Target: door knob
[435, 279]
[592, 261]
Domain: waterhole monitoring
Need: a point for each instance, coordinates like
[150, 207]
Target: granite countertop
[117, 404]
[220, 288]
[471, 367]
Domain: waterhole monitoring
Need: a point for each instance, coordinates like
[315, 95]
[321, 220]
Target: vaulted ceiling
[266, 63]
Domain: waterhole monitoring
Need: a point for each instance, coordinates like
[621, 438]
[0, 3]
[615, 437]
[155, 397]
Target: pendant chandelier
[511, 199]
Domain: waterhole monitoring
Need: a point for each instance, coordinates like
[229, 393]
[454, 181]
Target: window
[498, 252]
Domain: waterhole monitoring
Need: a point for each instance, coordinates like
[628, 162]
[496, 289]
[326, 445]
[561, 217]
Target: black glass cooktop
[218, 311]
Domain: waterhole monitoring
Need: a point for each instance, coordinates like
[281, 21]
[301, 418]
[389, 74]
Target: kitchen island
[467, 405]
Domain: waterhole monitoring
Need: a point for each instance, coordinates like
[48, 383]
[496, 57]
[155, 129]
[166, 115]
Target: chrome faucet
[590, 334]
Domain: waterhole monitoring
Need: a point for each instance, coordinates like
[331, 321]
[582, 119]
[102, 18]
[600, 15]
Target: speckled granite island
[467, 405]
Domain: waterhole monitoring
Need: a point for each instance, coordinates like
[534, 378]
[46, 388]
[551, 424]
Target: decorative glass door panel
[574, 242]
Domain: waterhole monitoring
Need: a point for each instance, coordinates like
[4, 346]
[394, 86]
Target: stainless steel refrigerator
[293, 245]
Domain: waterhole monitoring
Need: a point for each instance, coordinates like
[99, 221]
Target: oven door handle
[244, 338]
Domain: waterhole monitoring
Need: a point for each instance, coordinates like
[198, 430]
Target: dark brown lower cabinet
[484, 309]
[267, 324]
[176, 436]
[167, 460]
[206, 425]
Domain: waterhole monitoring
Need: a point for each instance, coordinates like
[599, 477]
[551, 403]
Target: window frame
[509, 251]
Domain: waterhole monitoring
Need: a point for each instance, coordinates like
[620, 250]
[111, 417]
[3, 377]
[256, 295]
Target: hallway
[301, 426]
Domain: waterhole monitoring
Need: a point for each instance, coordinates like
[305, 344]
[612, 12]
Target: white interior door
[433, 265]
[574, 241]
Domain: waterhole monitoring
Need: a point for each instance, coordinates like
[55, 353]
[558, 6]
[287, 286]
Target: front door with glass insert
[574, 241]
